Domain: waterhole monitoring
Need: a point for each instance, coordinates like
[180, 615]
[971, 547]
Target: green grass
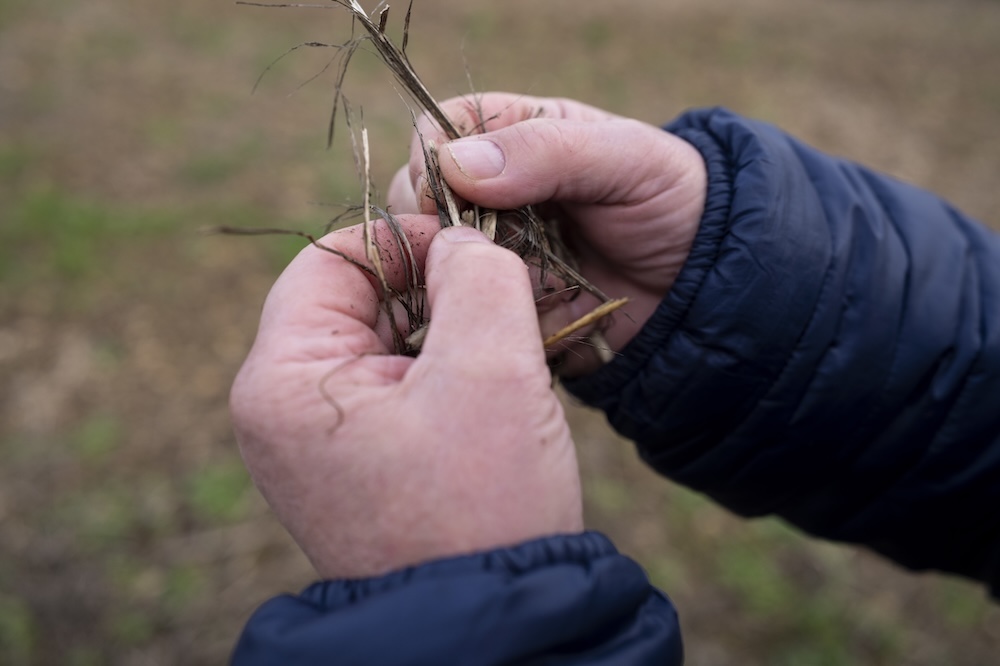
[187, 29]
[608, 494]
[103, 516]
[963, 605]
[113, 44]
[480, 24]
[11, 10]
[98, 437]
[218, 493]
[85, 656]
[282, 249]
[596, 34]
[163, 132]
[18, 633]
[15, 161]
[209, 168]
[751, 571]
[129, 628]
[183, 587]
[51, 234]
[668, 573]
[52, 237]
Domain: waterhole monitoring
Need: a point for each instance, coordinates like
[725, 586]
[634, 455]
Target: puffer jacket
[830, 353]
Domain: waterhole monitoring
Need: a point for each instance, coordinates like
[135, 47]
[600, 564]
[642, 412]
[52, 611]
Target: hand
[631, 196]
[374, 461]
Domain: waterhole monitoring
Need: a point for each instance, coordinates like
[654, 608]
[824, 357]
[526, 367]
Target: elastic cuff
[514, 561]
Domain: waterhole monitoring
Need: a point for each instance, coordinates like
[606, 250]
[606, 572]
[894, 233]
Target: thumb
[482, 309]
[614, 162]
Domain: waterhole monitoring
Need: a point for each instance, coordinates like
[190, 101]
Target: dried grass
[524, 231]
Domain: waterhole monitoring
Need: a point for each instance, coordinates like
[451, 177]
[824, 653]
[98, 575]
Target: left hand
[630, 196]
[375, 461]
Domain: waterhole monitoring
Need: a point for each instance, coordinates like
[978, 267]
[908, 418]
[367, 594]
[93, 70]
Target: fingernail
[478, 158]
[462, 235]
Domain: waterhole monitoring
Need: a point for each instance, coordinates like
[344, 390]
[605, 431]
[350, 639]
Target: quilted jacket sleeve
[830, 354]
[560, 600]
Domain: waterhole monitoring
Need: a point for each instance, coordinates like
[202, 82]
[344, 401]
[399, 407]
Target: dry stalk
[588, 319]
[523, 231]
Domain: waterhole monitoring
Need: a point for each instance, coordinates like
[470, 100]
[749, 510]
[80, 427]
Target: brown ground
[128, 531]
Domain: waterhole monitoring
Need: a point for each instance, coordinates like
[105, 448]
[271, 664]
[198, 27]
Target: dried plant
[523, 230]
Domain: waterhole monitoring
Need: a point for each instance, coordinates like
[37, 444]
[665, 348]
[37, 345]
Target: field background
[129, 533]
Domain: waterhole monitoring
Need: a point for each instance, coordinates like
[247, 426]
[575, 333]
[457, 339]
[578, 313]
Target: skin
[374, 461]
[630, 195]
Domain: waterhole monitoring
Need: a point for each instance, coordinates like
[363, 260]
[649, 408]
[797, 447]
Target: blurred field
[129, 533]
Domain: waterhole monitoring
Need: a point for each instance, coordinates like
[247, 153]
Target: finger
[402, 198]
[616, 162]
[325, 307]
[483, 320]
[475, 114]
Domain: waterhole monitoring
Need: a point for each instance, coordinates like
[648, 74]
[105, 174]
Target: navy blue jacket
[830, 353]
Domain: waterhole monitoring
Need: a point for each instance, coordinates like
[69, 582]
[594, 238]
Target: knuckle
[553, 137]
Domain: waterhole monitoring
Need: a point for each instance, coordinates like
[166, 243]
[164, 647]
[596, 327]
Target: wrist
[601, 386]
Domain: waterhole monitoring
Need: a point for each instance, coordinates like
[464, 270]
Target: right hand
[630, 195]
[375, 462]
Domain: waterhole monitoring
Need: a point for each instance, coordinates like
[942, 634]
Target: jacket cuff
[569, 598]
[513, 561]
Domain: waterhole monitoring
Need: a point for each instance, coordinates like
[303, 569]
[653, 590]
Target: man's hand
[375, 461]
[631, 196]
